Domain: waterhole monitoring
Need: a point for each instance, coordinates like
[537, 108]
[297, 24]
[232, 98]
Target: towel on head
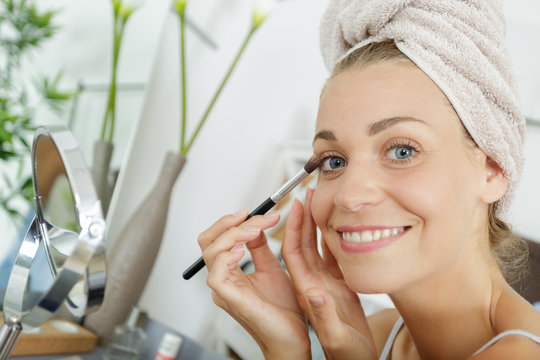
[461, 46]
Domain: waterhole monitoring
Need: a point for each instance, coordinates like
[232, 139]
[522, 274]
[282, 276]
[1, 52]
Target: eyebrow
[381, 125]
[372, 129]
[325, 135]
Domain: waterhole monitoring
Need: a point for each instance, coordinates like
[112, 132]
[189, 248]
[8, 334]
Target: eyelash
[397, 143]
[326, 156]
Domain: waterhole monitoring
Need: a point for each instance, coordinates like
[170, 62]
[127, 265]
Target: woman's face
[398, 193]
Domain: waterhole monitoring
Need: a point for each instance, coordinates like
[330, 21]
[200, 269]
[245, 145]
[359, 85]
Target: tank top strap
[399, 323]
[519, 332]
[391, 338]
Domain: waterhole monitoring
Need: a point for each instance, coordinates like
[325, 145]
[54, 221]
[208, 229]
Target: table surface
[190, 349]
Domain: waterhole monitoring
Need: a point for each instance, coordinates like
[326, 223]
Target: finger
[324, 317]
[247, 233]
[291, 250]
[330, 262]
[339, 338]
[263, 258]
[263, 222]
[219, 227]
[309, 234]
[227, 240]
[261, 254]
[225, 276]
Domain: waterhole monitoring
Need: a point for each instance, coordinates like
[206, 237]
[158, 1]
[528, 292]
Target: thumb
[323, 316]
[335, 336]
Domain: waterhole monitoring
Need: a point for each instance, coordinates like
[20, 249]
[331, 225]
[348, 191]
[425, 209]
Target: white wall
[523, 30]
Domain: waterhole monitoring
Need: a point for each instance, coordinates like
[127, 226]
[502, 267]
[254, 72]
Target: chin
[371, 281]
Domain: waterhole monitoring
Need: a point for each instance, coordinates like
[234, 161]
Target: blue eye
[332, 163]
[400, 153]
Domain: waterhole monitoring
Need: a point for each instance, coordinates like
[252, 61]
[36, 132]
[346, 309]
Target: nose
[358, 188]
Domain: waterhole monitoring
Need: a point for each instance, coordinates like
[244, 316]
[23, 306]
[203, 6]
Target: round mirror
[68, 230]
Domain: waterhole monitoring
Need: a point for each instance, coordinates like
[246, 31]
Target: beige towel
[461, 46]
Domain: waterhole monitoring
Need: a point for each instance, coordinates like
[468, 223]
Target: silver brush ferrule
[289, 185]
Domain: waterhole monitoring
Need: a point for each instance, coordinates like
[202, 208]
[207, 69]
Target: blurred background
[267, 111]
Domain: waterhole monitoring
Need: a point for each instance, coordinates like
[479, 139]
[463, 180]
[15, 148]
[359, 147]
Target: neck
[450, 314]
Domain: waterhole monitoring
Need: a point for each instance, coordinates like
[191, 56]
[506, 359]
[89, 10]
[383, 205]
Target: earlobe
[495, 184]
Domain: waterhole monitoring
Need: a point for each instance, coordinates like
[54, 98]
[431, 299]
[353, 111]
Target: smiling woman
[510, 251]
[402, 173]
[419, 137]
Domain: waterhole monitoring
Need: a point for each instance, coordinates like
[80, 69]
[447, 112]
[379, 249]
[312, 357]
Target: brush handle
[193, 269]
[199, 264]
[263, 208]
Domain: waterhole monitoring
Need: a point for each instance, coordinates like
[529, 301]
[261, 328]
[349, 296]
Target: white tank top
[399, 323]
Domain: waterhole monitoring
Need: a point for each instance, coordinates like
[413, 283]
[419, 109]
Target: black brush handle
[262, 209]
[193, 269]
[199, 264]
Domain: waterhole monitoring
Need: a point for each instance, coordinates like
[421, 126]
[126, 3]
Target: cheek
[441, 195]
[420, 192]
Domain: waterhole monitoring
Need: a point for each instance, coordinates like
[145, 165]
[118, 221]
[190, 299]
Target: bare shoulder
[381, 324]
[514, 313]
[511, 347]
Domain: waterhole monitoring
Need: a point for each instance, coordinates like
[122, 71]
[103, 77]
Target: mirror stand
[74, 248]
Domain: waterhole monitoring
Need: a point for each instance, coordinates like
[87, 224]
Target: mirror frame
[88, 257]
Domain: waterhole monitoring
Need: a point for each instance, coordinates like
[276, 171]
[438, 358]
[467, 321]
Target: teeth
[368, 235]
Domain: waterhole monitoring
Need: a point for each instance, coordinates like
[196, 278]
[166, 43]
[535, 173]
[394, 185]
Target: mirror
[68, 231]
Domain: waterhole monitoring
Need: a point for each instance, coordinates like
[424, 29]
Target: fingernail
[252, 229]
[315, 300]
[271, 214]
[239, 213]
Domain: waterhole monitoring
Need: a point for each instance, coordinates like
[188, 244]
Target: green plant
[23, 28]
[122, 10]
[259, 15]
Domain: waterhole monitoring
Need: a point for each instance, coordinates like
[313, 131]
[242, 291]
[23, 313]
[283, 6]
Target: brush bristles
[312, 164]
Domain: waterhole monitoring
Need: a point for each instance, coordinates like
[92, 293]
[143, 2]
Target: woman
[420, 140]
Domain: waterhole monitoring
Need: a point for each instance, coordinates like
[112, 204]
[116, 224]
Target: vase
[133, 254]
[101, 163]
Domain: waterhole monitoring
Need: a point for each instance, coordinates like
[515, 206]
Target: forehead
[380, 91]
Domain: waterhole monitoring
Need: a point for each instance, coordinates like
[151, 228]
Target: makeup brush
[269, 203]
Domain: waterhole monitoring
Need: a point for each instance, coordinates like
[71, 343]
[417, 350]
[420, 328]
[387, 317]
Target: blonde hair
[509, 250]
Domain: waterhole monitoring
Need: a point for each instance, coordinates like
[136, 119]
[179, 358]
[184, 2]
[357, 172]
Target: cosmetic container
[169, 347]
[129, 338]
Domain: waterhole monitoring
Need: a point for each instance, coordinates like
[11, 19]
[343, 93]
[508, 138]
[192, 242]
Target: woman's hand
[263, 302]
[333, 309]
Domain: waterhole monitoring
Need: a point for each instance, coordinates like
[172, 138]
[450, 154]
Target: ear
[495, 183]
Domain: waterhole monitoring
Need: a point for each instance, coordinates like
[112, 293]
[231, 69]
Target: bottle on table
[129, 338]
